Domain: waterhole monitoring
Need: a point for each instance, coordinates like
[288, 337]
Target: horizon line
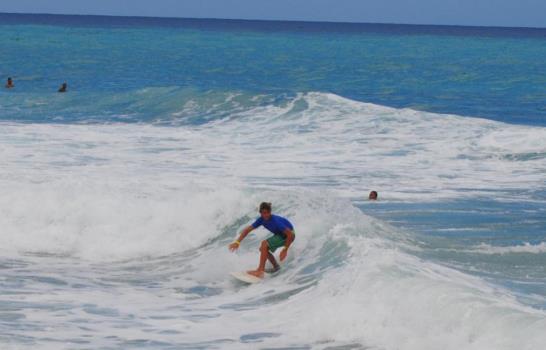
[271, 20]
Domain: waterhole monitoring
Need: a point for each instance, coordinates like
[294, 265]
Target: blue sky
[527, 13]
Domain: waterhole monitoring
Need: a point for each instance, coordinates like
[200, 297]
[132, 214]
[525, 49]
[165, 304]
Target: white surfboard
[245, 277]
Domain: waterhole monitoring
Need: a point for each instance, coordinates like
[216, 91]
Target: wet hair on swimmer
[265, 206]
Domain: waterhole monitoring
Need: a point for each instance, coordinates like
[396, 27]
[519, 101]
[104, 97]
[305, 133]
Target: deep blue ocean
[119, 197]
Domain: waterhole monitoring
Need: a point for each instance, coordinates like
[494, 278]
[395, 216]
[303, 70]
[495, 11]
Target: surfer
[9, 84]
[63, 87]
[373, 196]
[283, 236]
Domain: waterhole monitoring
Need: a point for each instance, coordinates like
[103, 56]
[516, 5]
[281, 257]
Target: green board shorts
[277, 241]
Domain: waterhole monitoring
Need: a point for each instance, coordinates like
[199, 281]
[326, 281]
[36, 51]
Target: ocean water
[118, 199]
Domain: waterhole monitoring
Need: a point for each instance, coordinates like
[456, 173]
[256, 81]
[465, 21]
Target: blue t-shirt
[276, 224]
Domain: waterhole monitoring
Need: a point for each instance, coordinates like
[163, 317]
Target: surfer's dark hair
[265, 206]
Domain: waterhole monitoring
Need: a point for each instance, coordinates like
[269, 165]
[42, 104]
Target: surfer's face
[266, 214]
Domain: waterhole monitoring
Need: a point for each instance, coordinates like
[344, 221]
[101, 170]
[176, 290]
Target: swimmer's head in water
[372, 196]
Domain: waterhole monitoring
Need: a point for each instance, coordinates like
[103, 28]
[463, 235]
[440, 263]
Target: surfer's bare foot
[257, 273]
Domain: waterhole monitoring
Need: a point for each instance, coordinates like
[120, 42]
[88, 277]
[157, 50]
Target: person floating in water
[283, 236]
[9, 84]
[373, 196]
[63, 87]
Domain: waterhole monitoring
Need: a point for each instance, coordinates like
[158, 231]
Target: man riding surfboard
[283, 236]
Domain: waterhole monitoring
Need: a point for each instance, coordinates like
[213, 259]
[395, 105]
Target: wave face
[114, 235]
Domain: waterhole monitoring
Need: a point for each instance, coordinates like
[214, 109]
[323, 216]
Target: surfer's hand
[283, 254]
[234, 246]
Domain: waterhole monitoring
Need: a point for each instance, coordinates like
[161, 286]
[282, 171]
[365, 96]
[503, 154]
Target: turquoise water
[119, 198]
[481, 74]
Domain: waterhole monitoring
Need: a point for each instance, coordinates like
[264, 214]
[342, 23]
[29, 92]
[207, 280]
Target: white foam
[88, 186]
[116, 192]
[353, 147]
[378, 295]
[348, 280]
[526, 248]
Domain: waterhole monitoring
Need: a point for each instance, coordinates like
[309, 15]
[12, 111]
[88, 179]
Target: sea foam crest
[526, 248]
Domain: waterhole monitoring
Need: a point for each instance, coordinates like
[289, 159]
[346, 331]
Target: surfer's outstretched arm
[235, 245]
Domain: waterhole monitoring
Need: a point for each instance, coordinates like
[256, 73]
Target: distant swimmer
[283, 236]
[373, 196]
[63, 87]
[9, 84]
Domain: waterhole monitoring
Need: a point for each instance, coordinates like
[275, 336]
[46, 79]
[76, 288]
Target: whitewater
[115, 235]
[119, 198]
